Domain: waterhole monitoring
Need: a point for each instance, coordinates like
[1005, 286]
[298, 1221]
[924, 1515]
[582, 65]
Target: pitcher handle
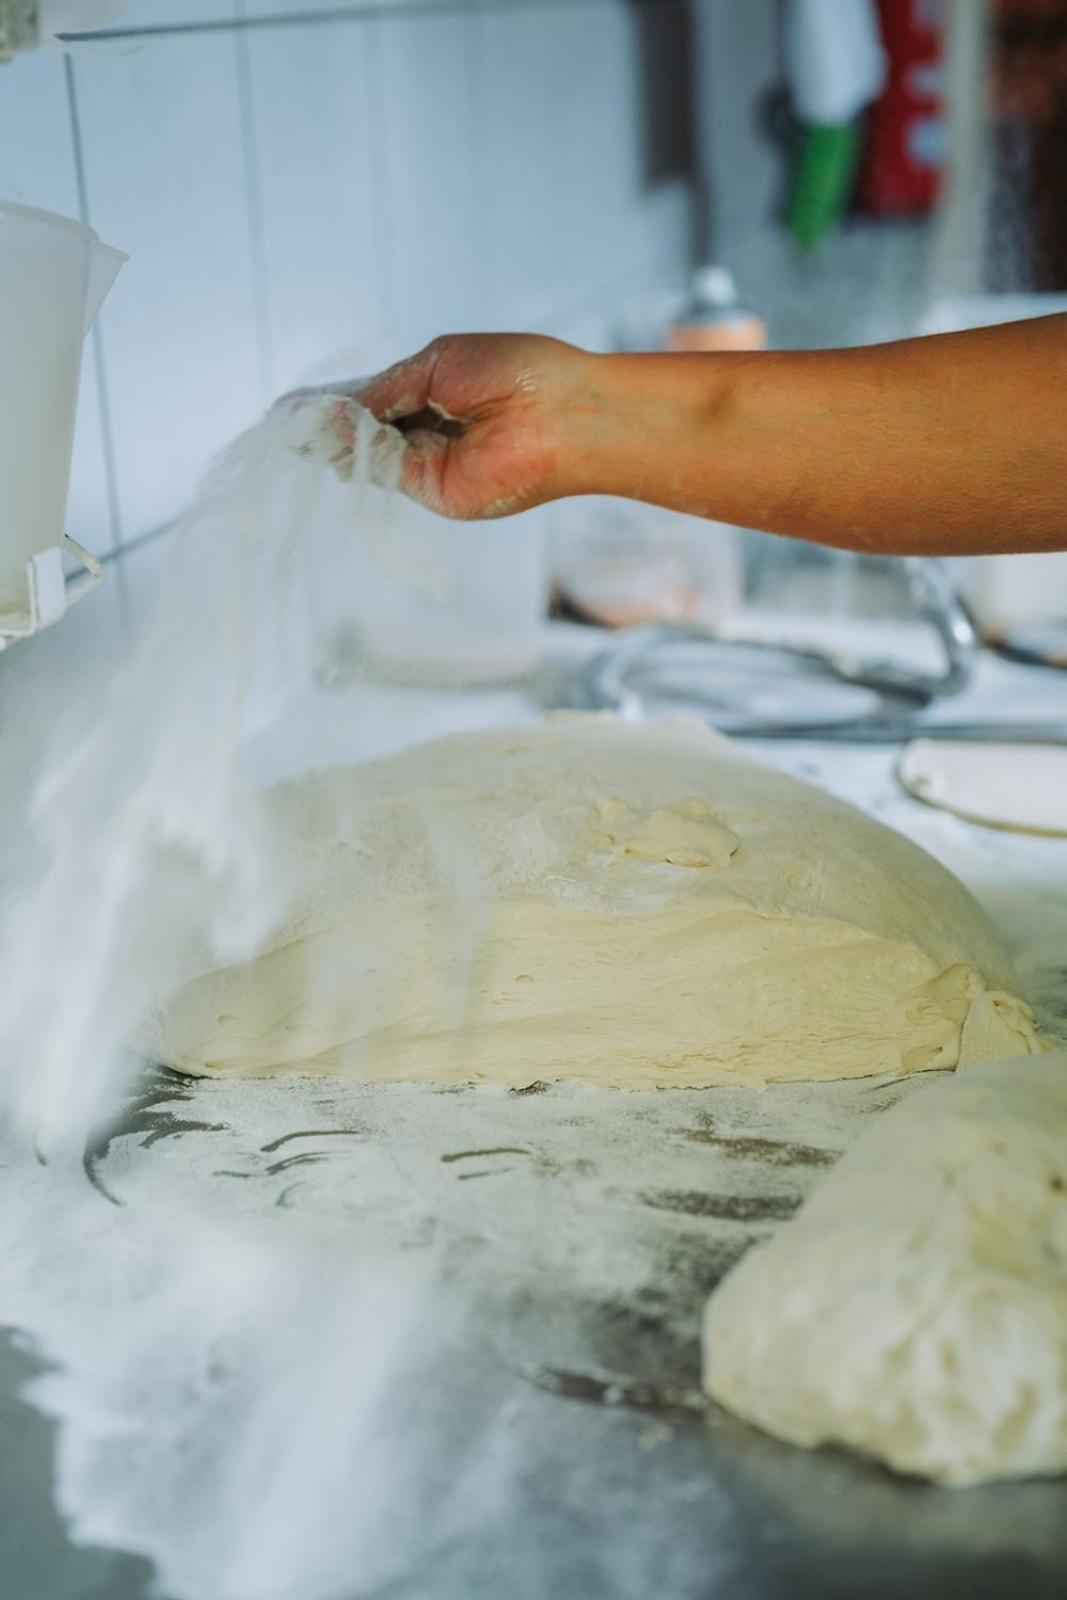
[79, 584]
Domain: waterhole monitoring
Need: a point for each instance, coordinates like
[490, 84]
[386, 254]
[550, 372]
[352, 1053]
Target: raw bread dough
[916, 1306]
[585, 899]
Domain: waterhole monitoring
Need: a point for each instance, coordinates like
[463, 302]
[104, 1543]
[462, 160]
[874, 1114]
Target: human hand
[484, 425]
[487, 420]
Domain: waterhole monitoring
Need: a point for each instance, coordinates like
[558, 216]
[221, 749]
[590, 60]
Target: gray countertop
[768, 1523]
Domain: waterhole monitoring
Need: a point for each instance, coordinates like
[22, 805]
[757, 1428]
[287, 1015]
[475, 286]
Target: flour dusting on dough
[637, 908]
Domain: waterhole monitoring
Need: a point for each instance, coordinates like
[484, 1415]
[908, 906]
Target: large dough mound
[916, 1306]
[588, 900]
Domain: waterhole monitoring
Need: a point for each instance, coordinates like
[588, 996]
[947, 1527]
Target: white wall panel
[322, 196]
[166, 180]
[145, 570]
[38, 168]
[297, 8]
[308, 8]
[595, 103]
[170, 13]
[426, 107]
[521, 152]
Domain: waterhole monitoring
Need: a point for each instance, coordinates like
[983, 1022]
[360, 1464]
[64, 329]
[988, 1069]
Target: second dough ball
[916, 1306]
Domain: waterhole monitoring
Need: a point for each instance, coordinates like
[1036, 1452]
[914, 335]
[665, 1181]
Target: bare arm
[953, 445]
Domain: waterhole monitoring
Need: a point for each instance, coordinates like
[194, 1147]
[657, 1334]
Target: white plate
[1021, 786]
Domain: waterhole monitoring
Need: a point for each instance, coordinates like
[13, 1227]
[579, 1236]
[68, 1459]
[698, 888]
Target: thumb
[402, 390]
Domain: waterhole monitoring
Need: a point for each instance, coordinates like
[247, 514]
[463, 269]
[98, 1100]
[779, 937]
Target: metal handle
[903, 691]
[49, 592]
[80, 583]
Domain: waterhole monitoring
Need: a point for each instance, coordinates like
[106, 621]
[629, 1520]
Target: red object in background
[903, 161]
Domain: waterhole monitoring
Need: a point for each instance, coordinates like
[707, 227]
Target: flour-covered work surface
[318, 1338]
[494, 1299]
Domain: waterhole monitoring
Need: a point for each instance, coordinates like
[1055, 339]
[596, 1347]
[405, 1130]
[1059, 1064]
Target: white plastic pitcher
[54, 274]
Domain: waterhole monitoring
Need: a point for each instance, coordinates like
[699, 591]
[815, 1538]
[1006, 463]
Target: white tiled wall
[428, 102]
[315, 108]
[163, 141]
[170, 13]
[310, 188]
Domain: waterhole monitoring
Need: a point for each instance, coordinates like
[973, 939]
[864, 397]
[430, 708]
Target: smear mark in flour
[725, 1207]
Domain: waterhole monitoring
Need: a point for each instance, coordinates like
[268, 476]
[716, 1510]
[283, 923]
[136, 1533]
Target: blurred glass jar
[619, 563]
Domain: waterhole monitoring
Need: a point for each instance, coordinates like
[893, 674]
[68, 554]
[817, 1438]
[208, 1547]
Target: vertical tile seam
[262, 309]
[99, 362]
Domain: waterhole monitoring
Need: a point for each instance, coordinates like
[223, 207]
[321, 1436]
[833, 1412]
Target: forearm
[947, 445]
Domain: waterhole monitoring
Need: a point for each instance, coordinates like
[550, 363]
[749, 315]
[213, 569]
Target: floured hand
[471, 426]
